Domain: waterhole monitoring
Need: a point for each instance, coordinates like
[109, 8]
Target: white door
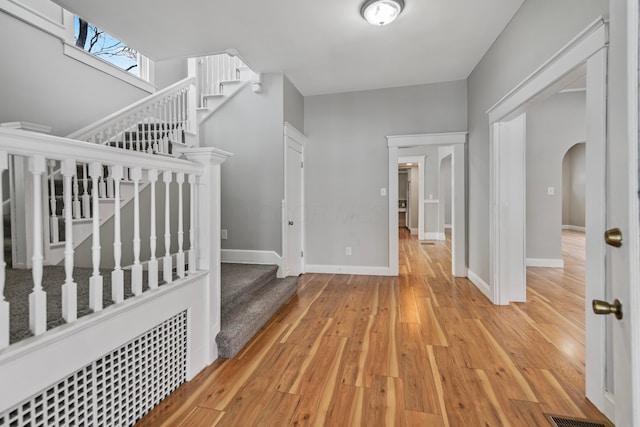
[294, 201]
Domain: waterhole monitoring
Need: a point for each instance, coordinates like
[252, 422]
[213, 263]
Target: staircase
[251, 294]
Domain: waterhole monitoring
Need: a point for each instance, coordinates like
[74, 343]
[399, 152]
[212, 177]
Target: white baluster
[95, 281]
[77, 212]
[180, 255]
[167, 274]
[102, 187]
[192, 224]
[4, 304]
[110, 183]
[38, 297]
[53, 219]
[153, 262]
[117, 275]
[136, 269]
[69, 289]
[86, 199]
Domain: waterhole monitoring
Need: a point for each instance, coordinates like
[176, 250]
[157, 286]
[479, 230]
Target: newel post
[208, 231]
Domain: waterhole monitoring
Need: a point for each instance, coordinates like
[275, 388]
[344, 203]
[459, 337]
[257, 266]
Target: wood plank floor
[423, 349]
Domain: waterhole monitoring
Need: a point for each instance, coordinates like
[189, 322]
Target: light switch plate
[383, 191]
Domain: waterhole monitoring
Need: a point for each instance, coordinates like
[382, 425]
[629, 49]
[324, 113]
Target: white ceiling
[323, 46]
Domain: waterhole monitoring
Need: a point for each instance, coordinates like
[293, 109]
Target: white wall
[170, 71]
[39, 84]
[346, 163]
[553, 126]
[573, 186]
[537, 31]
[250, 126]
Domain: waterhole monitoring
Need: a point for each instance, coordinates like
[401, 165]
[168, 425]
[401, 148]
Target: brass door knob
[603, 307]
[613, 237]
[290, 222]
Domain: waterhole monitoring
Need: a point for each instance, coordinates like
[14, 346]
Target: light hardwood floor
[423, 349]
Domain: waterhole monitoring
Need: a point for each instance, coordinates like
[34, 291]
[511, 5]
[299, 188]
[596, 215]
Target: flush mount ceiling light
[381, 12]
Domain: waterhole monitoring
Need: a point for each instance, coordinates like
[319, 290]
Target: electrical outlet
[383, 191]
[347, 250]
[223, 234]
[551, 191]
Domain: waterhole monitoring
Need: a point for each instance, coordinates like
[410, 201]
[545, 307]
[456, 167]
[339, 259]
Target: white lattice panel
[116, 390]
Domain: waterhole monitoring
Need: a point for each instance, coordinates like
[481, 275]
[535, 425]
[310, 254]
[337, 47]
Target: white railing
[151, 125]
[211, 73]
[82, 167]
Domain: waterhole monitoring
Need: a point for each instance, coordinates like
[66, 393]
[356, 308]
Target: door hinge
[301, 254]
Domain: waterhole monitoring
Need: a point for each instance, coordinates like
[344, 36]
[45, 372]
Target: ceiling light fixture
[381, 12]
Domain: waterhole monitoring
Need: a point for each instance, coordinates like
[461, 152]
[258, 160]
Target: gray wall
[250, 126]
[573, 186]
[293, 105]
[347, 163]
[39, 84]
[537, 31]
[553, 126]
[414, 197]
[170, 71]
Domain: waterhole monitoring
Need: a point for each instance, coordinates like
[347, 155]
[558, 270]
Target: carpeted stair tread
[19, 285]
[239, 281]
[241, 324]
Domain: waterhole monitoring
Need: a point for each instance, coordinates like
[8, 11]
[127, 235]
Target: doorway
[293, 203]
[586, 56]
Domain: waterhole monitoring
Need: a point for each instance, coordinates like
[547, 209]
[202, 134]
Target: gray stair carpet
[251, 295]
[19, 284]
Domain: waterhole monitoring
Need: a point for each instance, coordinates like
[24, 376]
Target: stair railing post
[38, 297]
[117, 275]
[167, 274]
[4, 304]
[153, 262]
[95, 281]
[53, 218]
[180, 255]
[208, 232]
[69, 288]
[86, 199]
[193, 251]
[136, 269]
[77, 214]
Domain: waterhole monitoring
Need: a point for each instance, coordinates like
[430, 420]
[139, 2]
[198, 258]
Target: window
[102, 45]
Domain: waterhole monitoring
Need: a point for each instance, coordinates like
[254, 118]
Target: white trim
[34, 18]
[432, 201]
[552, 73]
[238, 256]
[31, 127]
[447, 226]
[427, 139]
[633, 239]
[610, 405]
[434, 236]
[480, 284]
[349, 269]
[414, 230]
[298, 141]
[106, 67]
[573, 228]
[544, 262]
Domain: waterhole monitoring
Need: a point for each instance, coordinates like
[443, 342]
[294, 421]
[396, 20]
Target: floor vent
[115, 390]
[558, 421]
[427, 243]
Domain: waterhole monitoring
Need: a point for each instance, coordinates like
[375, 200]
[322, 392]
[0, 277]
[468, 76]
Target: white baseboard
[542, 262]
[480, 284]
[414, 231]
[239, 256]
[348, 269]
[434, 236]
[446, 226]
[573, 227]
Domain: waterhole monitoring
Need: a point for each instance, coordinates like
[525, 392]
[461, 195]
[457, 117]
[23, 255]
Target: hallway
[422, 349]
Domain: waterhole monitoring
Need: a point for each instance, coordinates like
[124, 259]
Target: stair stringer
[83, 228]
